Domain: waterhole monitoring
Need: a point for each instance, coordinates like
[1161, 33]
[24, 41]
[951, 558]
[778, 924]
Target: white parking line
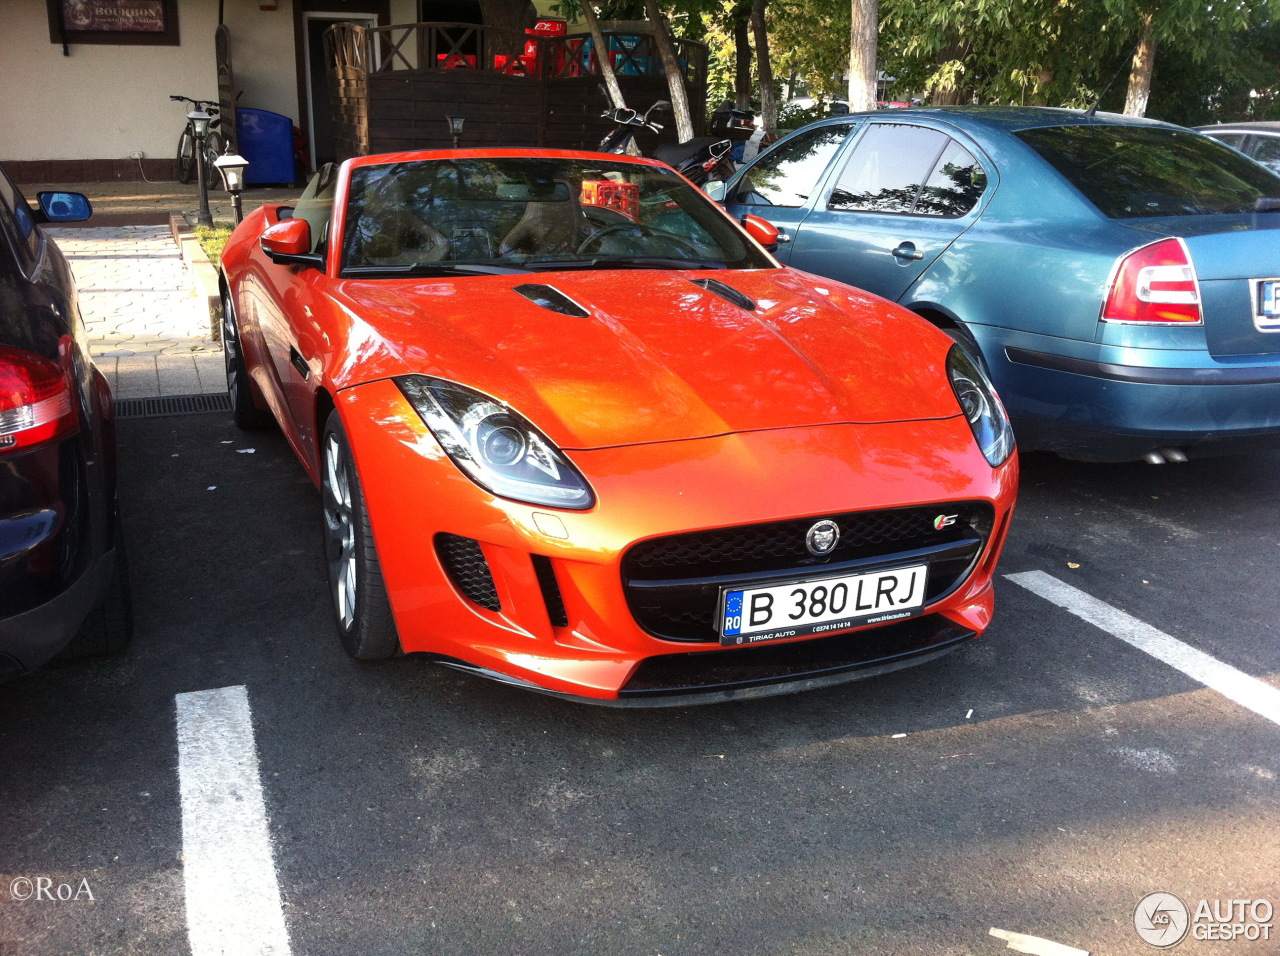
[1256, 695]
[233, 900]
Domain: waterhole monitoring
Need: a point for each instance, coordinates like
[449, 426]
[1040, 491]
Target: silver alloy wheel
[230, 350]
[340, 531]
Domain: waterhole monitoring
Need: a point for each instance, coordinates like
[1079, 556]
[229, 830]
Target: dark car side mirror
[64, 207]
[289, 243]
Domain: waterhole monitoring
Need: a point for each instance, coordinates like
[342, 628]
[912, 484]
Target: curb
[203, 271]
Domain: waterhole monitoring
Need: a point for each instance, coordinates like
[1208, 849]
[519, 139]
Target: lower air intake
[466, 566]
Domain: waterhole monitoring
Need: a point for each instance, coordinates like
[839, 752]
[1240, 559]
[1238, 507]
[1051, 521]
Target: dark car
[63, 582]
[1119, 277]
[1259, 141]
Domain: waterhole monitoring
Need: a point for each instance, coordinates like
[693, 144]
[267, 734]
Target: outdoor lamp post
[455, 127]
[200, 126]
[232, 168]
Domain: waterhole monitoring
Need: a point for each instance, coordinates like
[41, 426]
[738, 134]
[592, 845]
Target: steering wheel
[610, 230]
[667, 244]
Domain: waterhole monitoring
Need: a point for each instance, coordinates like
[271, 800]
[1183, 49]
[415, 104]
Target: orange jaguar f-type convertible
[576, 430]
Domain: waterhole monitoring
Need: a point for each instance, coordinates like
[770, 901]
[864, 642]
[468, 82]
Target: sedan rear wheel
[361, 608]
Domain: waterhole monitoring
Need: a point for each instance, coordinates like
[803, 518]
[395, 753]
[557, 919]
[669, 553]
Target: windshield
[1130, 172]
[487, 215]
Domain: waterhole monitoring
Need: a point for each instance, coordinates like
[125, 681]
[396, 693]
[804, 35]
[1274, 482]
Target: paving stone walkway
[148, 330]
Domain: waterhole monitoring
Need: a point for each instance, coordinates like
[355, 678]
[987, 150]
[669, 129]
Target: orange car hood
[658, 358]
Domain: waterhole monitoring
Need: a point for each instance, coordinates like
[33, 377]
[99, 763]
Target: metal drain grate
[171, 405]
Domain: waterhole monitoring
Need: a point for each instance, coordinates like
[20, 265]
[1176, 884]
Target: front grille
[673, 583]
[466, 566]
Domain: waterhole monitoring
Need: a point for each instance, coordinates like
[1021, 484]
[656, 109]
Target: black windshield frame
[529, 212]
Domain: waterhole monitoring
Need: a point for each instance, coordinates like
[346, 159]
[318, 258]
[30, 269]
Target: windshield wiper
[427, 269]
[623, 262]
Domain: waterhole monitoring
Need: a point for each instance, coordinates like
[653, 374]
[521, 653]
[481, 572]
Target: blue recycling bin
[266, 141]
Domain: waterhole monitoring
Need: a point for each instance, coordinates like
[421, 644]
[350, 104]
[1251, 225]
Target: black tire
[186, 157]
[244, 412]
[361, 608]
[109, 626]
[962, 337]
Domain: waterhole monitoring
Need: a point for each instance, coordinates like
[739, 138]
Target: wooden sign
[113, 21]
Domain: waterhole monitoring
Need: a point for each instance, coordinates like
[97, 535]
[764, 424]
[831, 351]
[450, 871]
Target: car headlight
[981, 406]
[496, 447]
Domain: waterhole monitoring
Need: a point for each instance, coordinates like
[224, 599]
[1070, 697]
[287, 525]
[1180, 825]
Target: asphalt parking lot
[1042, 780]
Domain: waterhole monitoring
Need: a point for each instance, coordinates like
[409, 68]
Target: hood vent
[726, 292]
[549, 297]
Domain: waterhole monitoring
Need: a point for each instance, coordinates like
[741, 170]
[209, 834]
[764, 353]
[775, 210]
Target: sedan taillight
[1156, 283]
[35, 401]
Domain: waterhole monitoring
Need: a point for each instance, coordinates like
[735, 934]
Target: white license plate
[1266, 304]
[820, 605]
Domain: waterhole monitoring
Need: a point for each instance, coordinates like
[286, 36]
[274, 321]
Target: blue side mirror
[64, 207]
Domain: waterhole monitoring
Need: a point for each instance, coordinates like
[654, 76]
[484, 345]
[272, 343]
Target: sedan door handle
[907, 252]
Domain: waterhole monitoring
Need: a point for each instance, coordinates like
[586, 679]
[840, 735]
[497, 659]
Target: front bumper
[573, 632]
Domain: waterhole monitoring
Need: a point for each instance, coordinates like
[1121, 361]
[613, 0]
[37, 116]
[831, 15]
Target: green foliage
[1242, 83]
[212, 240]
[793, 117]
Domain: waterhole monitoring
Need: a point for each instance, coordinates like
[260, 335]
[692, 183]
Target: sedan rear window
[1132, 172]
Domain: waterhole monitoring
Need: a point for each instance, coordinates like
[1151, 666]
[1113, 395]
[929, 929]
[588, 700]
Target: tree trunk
[741, 17]
[864, 31]
[1144, 61]
[512, 17]
[671, 65]
[764, 67]
[603, 60]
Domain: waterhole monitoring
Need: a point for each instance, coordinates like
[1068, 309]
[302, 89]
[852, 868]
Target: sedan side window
[955, 185]
[788, 174]
[888, 169]
[1266, 150]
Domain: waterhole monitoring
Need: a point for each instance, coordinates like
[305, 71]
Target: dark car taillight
[35, 401]
[1156, 283]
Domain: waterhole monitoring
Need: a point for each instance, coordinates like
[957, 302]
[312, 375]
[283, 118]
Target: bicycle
[187, 141]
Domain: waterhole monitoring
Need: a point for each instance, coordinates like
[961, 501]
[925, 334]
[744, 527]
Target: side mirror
[289, 243]
[762, 231]
[64, 207]
[715, 189]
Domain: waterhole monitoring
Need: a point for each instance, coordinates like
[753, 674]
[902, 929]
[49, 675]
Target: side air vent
[551, 298]
[546, 573]
[726, 292]
[465, 564]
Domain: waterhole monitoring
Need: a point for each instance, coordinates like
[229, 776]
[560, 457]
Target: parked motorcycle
[699, 160]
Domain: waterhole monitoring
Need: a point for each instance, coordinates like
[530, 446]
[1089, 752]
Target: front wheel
[186, 157]
[361, 608]
[244, 412]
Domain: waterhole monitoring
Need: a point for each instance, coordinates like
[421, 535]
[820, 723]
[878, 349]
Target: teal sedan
[1118, 277]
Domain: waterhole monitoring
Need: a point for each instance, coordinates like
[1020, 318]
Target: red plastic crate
[620, 197]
